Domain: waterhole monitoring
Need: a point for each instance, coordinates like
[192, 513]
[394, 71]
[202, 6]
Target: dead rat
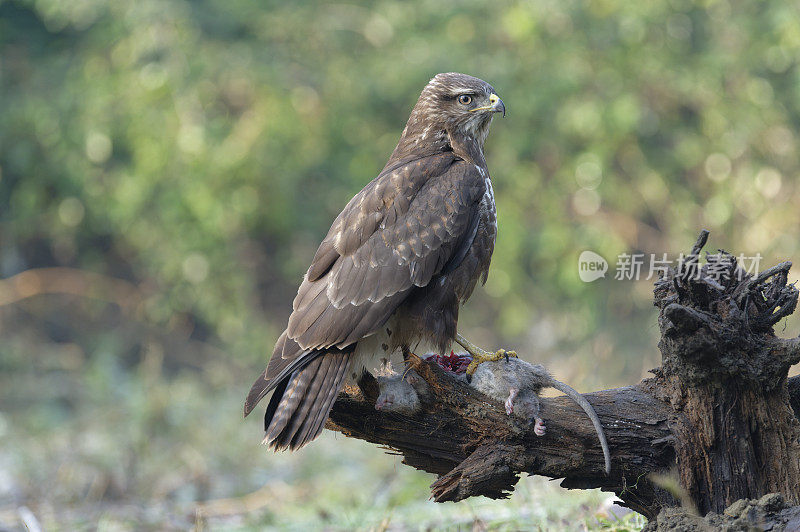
[518, 383]
[401, 393]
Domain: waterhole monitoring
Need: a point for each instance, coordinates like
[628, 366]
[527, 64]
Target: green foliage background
[199, 150]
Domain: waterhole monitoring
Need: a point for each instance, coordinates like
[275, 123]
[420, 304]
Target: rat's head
[385, 401]
[397, 394]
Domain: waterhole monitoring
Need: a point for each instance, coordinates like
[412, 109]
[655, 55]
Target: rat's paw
[510, 406]
[539, 428]
[512, 394]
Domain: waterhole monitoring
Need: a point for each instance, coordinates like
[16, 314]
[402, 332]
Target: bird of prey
[397, 263]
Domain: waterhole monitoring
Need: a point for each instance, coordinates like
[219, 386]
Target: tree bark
[718, 414]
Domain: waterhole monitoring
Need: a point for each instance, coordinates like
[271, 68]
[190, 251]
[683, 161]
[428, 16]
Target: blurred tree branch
[38, 281]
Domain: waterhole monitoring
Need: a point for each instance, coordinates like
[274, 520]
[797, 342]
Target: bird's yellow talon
[480, 358]
[512, 354]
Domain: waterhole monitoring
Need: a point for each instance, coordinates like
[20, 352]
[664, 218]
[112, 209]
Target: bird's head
[453, 104]
[460, 100]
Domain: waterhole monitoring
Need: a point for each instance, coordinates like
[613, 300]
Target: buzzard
[397, 263]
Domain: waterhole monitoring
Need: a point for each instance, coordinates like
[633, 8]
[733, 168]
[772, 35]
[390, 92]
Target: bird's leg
[406, 353]
[406, 359]
[479, 356]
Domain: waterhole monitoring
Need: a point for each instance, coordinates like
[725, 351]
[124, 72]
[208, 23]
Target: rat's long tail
[589, 409]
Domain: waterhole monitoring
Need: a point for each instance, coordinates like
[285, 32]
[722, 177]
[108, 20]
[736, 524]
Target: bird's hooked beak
[495, 105]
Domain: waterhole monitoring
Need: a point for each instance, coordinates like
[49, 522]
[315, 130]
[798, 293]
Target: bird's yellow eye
[465, 99]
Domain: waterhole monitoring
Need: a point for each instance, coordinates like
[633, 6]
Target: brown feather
[307, 292]
[295, 391]
[303, 408]
[317, 424]
[294, 422]
[328, 390]
[303, 319]
[286, 355]
[324, 258]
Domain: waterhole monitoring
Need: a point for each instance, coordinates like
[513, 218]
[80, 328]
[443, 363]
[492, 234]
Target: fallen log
[718, 413]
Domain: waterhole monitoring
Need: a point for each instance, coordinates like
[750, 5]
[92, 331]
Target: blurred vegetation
[186, 158]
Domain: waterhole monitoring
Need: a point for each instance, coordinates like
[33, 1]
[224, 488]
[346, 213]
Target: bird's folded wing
[397, 233]
[403, 228]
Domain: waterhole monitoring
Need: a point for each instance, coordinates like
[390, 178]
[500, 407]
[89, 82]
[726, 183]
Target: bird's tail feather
[286, 358]
[300, 405]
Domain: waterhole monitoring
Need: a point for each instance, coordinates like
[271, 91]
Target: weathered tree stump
[724, 374]
[719, 411]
